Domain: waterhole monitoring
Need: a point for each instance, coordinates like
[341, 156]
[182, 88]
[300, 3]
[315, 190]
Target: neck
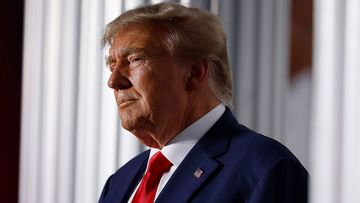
[195, 109]
[159, 135]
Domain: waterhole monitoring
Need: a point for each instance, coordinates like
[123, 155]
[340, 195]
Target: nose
[118, 81]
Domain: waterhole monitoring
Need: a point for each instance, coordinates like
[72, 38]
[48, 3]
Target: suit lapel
[132, 177]
[200, 164]
[188, 178]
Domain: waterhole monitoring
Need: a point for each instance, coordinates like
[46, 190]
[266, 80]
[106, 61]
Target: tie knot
[159, 164]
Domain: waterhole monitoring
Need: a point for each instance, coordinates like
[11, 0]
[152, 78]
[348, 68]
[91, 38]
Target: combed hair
[192, 32]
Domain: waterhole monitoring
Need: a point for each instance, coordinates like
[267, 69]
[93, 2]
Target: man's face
[149, 85]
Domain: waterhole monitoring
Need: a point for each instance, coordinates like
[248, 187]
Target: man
[172, 84]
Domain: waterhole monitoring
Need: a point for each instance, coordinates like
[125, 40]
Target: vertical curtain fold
[336, 111]
[68, 90]
[89, 101]
[245, 74]
[351, 101]
[31, 101]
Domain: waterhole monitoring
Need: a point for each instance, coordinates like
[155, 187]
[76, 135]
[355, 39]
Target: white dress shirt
[176, 150]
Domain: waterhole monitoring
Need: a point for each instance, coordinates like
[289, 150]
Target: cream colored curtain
[335, 131]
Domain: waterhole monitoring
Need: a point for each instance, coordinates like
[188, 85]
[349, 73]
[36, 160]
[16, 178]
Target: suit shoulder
[253, 158]
[262, 150]
[242, 144]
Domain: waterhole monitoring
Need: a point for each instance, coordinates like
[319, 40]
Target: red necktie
[146, 192]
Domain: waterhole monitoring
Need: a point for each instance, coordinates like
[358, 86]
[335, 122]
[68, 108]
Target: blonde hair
[193, 32]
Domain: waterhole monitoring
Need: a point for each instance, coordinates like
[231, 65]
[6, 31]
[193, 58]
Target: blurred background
[296, 71]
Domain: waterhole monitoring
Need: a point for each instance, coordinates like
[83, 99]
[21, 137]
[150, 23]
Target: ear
[198, 74]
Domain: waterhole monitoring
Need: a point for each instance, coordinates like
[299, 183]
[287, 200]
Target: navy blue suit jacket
[238, 164]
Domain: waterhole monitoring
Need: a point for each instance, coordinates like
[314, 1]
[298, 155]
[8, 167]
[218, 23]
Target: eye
[136, 60]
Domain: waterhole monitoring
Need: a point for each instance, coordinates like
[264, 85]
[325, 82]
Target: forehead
[136, 37]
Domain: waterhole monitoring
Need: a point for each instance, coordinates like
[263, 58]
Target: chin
[128, 120]
[145, 138]
[127, 126]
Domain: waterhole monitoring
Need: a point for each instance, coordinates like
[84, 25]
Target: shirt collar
[176, 150]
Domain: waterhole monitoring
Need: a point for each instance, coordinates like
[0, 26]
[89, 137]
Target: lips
[121, 101]
[124, 98]
[125, 101]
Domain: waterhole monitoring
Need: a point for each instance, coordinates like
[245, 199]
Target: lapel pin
[198, 173]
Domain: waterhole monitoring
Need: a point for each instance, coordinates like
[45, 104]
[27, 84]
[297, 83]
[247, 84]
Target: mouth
[123, 103]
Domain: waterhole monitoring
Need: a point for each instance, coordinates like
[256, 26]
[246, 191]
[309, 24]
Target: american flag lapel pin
[198, 173]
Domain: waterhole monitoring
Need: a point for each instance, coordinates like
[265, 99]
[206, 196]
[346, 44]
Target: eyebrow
[128, 51]
[124, 53]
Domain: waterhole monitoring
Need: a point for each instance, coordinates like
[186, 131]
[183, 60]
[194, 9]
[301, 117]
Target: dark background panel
[11, 39]
[301, 37]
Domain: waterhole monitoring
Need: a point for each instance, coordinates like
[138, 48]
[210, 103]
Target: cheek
[158, 88]
[144, 84]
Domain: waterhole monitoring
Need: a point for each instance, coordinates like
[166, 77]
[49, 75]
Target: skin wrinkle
[158, 95]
